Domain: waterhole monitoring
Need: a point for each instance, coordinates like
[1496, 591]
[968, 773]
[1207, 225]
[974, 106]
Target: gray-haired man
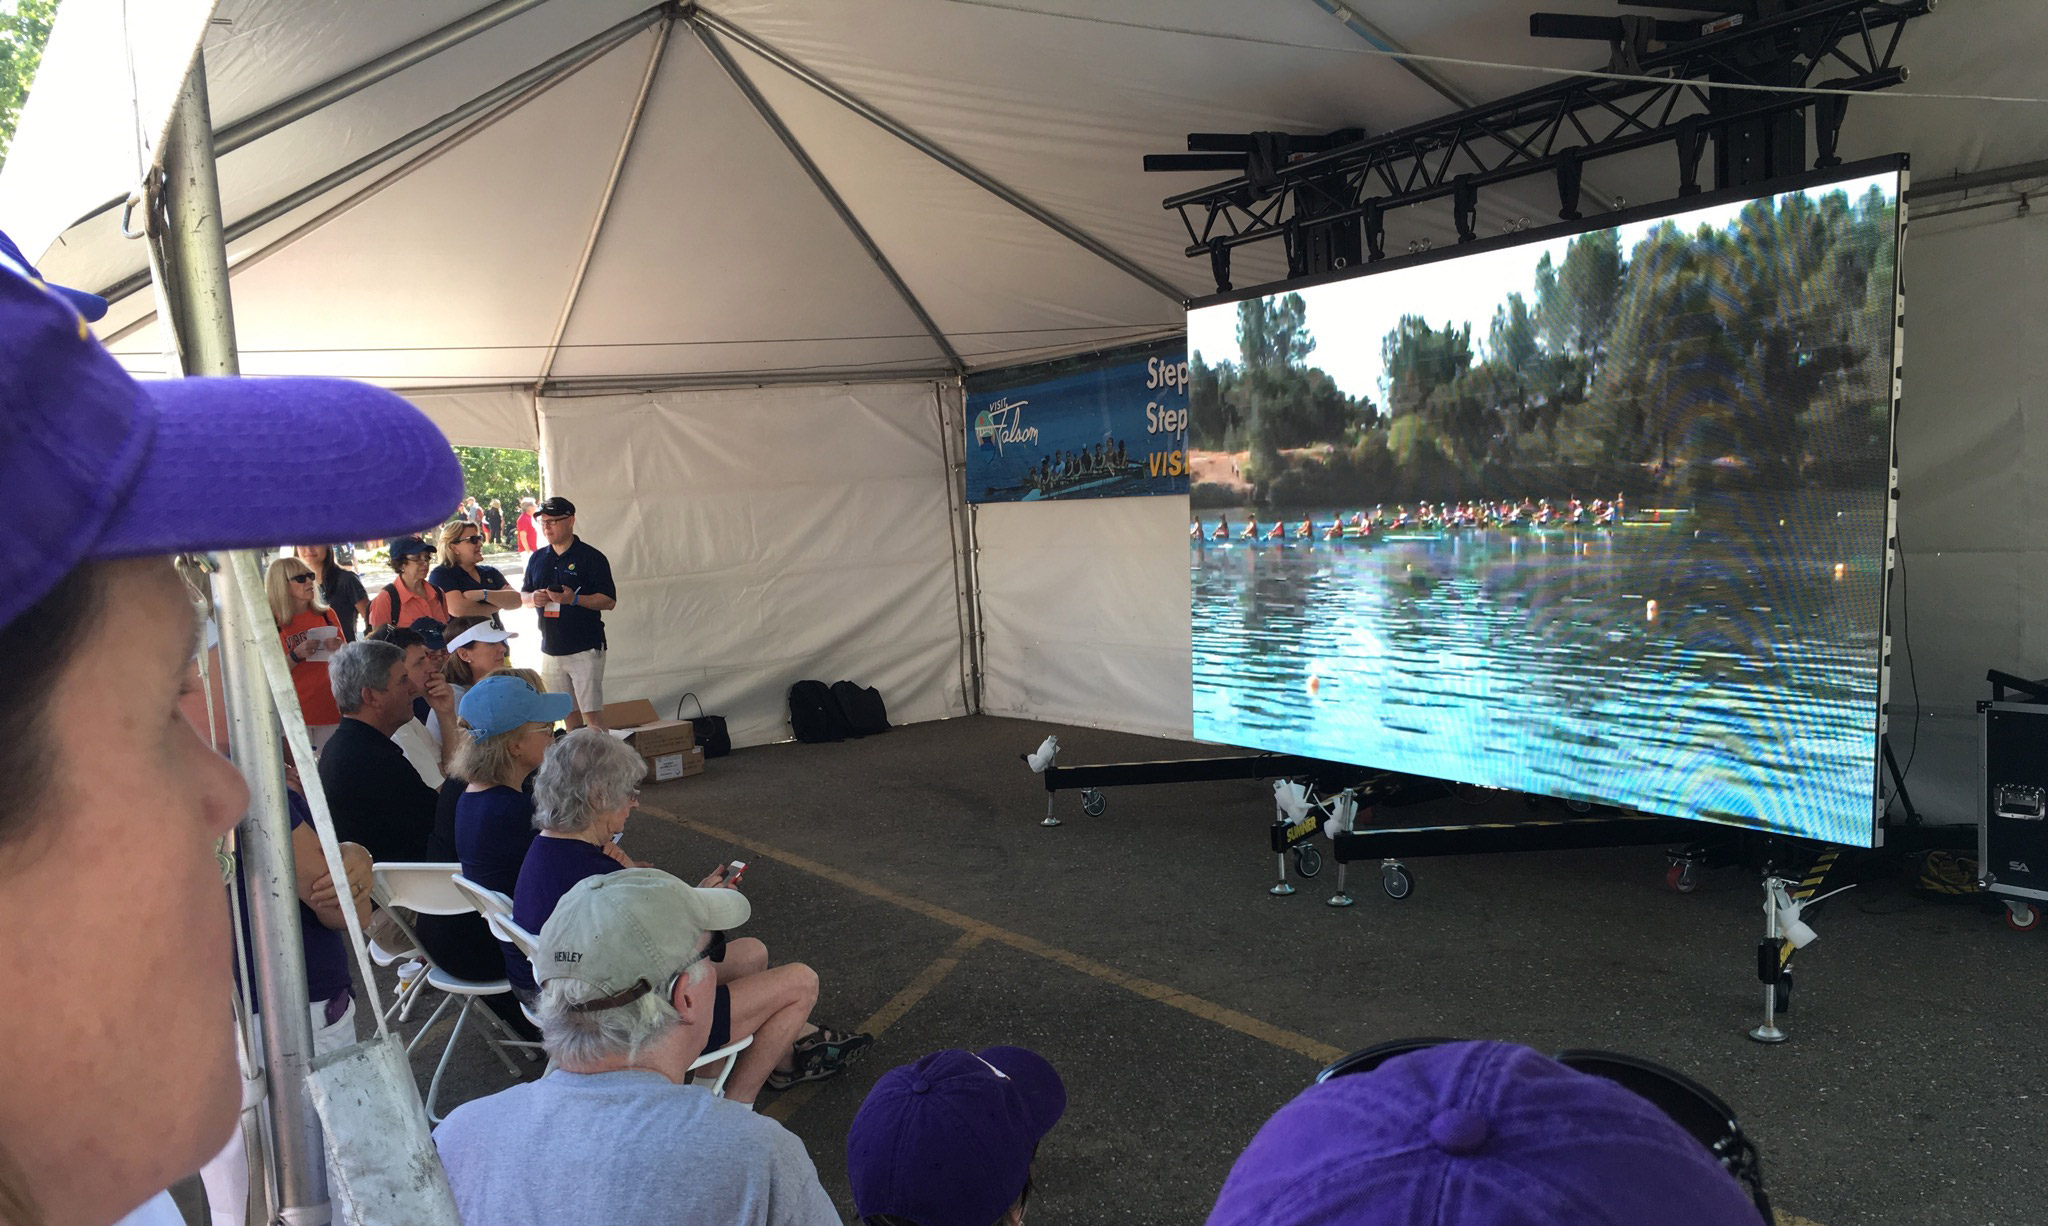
[613, 1135]
[377, 797]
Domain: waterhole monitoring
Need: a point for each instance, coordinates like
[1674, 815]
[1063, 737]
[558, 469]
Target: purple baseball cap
[948, 1141]
[1476, 1134]
[111, 467]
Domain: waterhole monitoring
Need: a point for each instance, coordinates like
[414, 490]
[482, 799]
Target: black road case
[2012, 801]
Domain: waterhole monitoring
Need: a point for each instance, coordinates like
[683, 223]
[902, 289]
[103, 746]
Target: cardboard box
[667, 744]
[672, 766]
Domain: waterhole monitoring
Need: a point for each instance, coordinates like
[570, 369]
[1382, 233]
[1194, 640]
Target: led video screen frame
[1599, 512]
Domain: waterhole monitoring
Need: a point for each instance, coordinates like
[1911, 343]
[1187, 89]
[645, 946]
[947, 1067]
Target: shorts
[721, 1020]
[581, 676]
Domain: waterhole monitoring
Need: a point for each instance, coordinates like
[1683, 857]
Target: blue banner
[1113, 426]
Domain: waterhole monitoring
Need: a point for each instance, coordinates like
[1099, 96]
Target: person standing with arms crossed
[570, 583]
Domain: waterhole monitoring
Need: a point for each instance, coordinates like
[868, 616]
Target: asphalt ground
[1140, 953]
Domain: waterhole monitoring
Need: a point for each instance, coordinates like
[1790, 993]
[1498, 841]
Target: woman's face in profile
[117, 1055]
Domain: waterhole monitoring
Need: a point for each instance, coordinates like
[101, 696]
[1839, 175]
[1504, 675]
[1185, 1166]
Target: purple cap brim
[253, 463]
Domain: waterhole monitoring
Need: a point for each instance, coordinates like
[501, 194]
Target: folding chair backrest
[487, 901]
[421, 886]
[505, 928]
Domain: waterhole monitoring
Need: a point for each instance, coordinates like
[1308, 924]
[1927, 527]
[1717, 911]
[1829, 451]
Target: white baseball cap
[482, 632]
[624, 932]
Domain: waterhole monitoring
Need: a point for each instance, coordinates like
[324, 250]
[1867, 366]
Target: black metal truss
[1557, 128]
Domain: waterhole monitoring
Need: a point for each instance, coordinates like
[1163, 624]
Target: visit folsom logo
[1002, 424]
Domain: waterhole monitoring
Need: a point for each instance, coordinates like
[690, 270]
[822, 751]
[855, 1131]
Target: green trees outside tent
[1750, 356]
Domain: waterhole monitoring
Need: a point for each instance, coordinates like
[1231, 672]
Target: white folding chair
[429, 889]
[408, 990]
[508, 929]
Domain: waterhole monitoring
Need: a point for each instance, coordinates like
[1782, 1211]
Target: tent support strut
[825, 189]
[943, 157]
[604, 203]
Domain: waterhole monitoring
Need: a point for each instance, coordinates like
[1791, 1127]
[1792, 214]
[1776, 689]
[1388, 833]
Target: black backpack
[862, 706]
[814, 715]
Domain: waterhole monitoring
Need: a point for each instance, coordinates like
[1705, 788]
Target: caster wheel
[1783, 991]
[1307, 861]
[1093, 802]
[1681, 878]
[1397, 881]
[2022, 917]
[1579, 806]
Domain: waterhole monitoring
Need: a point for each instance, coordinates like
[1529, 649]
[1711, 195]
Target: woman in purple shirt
[586, 787]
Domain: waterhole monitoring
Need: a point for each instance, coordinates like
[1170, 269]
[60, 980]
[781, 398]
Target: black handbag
[709, 730]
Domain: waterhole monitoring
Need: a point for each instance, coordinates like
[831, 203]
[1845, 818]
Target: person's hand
[356, 862]
[438, 695]
[715, 880]
[302, 649]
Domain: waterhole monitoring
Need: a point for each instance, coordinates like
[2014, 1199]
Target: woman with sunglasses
[311, 632]
[340, 587]
[471, 588]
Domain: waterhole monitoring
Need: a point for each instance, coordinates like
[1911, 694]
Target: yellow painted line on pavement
[886, 1016]
[1209, 1011]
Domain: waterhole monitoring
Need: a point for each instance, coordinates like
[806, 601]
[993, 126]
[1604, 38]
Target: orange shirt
[411, 606]
[309, 677]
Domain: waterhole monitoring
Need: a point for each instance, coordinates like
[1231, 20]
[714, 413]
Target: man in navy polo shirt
[570, 583]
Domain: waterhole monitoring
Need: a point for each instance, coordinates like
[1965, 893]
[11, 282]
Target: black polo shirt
[580, 568]
[452, 578]
[377, 797]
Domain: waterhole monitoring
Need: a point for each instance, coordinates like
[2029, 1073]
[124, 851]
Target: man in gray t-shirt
[613, 1137]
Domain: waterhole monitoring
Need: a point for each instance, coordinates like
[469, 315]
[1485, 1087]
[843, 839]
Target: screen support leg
[1282, 889]
[1342, 898]
[1768, 965]
[1899, 782]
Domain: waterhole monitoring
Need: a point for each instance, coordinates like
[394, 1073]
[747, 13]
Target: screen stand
[1899, 782]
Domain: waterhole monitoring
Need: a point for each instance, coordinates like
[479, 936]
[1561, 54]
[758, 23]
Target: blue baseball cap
[116, 468]
[948, 1141]
[1476, 1134]
[92, 306]
[500, 704]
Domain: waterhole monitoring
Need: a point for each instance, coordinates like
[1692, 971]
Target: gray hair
[580, 1040]
[365, 664]
[586, 773]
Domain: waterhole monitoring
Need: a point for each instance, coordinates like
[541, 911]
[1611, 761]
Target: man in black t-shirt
[377, 797]
[570, 583]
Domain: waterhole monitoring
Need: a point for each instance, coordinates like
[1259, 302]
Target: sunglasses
[302, 578]
[467, 540]
[1691, 1106]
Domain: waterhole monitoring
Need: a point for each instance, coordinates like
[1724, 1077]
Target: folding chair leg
[431, 1019]
[434, 1086]
[718, 1087]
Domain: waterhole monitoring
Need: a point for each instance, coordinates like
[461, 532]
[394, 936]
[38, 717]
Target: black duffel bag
[709, 730]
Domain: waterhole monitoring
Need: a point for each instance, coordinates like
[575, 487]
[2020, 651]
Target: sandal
[821, 1055]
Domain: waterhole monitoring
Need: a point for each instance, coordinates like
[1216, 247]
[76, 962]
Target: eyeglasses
[640, 988]
[302, 578]
[547, 520]
[1691, 1106]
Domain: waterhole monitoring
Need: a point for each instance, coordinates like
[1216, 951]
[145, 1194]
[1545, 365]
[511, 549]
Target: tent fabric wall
[1084, 612]
[1973, 489]
[483, 417]
[765, 535]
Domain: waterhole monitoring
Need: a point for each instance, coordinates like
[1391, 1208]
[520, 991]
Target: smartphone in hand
[734, 871]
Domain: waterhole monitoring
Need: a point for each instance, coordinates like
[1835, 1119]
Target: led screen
[1599, 516]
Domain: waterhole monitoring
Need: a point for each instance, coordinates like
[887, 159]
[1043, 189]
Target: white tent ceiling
[552, 236]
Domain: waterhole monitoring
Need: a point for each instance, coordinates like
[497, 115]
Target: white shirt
[422, 751]
[158, 1210]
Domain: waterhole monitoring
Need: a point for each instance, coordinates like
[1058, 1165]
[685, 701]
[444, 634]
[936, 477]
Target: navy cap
[117, 468]
[92, 306]
[432, 632]
[557, 507]
[408, 546]
[1481, 1134]
[947, 1141]
[501, 703]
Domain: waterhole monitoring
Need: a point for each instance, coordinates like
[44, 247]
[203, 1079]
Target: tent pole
[909, 136]
[825, 189]
[203, 319]
[334, 89]
[604, 203]
[544, 73]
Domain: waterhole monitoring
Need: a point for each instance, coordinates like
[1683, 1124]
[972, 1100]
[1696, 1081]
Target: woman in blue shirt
[510, 726]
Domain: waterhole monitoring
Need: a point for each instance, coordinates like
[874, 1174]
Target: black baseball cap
[557, 507]
[432, 631]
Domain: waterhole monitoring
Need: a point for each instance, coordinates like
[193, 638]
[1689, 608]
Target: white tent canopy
[598, 210]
